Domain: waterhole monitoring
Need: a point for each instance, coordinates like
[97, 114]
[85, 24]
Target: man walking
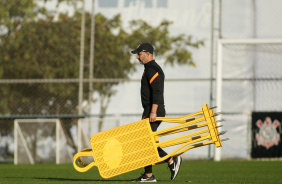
[152, 97]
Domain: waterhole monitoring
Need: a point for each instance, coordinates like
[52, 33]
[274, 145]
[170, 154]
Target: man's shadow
[70, 179]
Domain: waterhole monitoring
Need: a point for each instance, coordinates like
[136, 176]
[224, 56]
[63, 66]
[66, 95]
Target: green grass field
[196, 172]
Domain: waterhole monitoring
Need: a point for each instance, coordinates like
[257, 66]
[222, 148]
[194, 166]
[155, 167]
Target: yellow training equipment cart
[133, 146]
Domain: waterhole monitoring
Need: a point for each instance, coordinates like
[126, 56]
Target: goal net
[39, 141]
[249, 79]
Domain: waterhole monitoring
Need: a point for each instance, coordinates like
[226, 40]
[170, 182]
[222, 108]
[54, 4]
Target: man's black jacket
[152, 85]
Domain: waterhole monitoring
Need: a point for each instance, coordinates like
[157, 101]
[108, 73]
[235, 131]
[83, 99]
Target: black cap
[144, 47]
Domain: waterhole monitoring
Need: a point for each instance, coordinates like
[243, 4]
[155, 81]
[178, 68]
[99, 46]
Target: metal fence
[50, 97]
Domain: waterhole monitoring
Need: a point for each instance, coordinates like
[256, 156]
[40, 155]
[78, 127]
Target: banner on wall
[266, 134]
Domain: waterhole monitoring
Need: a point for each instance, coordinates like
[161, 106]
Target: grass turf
[196, 172]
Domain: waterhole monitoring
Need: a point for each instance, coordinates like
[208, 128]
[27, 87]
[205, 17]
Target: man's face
[142, 57]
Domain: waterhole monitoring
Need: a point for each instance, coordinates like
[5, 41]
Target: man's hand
[153, 116]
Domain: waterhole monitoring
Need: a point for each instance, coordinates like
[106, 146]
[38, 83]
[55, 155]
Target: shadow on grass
[69, 179]
[100, 180]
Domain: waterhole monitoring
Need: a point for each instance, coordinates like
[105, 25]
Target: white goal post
[22, 140]
[219, 76]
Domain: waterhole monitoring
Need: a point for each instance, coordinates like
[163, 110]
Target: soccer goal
[40, 140]
[249, 78]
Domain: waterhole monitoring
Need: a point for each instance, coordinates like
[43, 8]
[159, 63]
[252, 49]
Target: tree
[111, 57]
[41, 50]
[174, 49]
[49, 49]
[21, 45]
[13, 14]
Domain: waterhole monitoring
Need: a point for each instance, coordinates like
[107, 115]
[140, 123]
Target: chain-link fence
[39, 74]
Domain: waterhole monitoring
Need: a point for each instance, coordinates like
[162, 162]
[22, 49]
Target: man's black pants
[154, 126]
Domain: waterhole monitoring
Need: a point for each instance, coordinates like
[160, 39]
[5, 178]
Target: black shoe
[145, 178]
[174, 167]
